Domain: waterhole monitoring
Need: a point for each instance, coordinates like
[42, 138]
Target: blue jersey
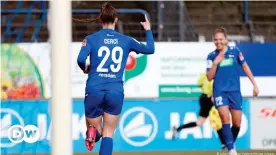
[108, 51]
[227, 78]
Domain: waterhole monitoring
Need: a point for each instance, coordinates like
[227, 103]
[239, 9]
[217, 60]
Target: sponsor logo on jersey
[226, 62]
[110, 35]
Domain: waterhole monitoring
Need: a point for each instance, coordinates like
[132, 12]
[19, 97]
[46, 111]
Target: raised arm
[139, 47]
[212, 65]
[211, 72]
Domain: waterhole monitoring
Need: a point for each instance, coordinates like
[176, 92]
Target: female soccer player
[206, 104]
[222, 66]
[104, 93]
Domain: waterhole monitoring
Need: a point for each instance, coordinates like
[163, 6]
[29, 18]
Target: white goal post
[61, 101]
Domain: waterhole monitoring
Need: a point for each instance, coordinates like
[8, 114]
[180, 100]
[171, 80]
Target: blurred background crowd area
[245, 21]
[22, 77]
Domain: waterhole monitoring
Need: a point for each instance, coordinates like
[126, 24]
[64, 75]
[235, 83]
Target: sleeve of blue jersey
[139, 47]
[209, 62]
[241, 59]
[84, 53]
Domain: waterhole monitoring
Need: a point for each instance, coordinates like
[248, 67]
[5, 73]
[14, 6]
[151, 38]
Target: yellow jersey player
[206, 104]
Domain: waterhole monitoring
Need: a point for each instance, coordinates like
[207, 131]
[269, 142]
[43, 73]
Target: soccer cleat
[90, 138]
[233, 152]
[223, 147]
[174, 132]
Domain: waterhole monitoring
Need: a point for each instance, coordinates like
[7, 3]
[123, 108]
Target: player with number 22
[223, 67]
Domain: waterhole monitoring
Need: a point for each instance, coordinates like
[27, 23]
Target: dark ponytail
[107, 15]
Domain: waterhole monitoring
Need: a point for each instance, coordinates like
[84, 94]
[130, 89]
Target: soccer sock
[98, 136]
[188, 125]
[227, 136]
[220, 136]
[235, 132]
[106, 146]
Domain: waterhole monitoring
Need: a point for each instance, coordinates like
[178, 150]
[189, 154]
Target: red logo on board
[268, 112]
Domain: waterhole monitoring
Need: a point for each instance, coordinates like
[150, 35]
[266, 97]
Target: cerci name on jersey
[116, 55]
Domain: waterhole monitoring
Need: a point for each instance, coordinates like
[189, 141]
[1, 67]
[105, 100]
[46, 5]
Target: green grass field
[245, 152]
[249, 152]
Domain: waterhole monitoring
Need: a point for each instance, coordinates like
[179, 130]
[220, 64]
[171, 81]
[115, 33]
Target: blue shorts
[231, 99]
[98, 101]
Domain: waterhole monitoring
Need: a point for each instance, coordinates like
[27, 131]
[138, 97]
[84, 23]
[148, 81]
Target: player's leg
[222, 104]
[236, 113]
[236, 122]
[226, 130]
[199, 122]
[110, 123]
[93, 112]
[205, 107]
[97, 123]
[112, 108]
[221, 139]
[215, 122]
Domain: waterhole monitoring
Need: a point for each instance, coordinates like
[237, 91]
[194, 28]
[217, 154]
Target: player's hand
[219, 58]
[255, 91]
[146, 24]
[87, 69]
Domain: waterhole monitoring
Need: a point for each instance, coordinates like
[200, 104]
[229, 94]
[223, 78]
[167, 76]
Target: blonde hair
[221, 30]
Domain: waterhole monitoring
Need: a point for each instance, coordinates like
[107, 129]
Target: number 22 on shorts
[218, 101]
